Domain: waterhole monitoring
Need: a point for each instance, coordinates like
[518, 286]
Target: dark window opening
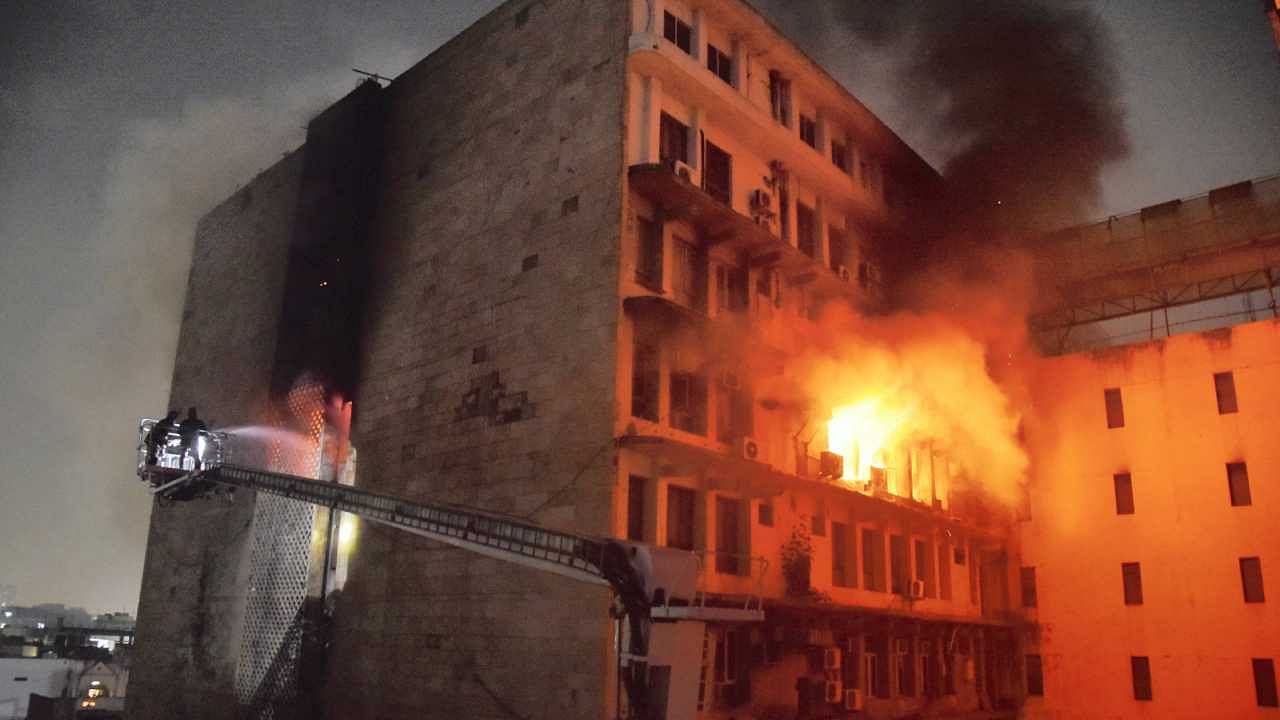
[678, 32]
[900, 561]
[1124, 493]
[479, 354]
[689, 275]
[730, 550]
[924, 567]
[731, 289]
[673, 140]
[649, 262]
[818, 525]
[806, 230]
[838, 249]
[1264, 682]
[1029, 597]
[1238, 484]
[1224, 386]
[637, 488]
[720, 64]
[1035, 675]
[764, 514]
[844, 553]
[1251, 579]
[1141, 668]
[681, 510]
[873, 571]
[809, 131]
[569, 206]
[717, 178]
[1115, 408]
[1132, 574]
[522, 17]
[944, 572]
[780, 97]
[689, 402]
[529, 263]
[644, 382]
[840, 156]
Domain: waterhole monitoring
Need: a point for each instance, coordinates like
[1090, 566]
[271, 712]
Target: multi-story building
[1155, 465]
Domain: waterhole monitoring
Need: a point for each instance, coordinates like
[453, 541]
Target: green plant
[797, 559]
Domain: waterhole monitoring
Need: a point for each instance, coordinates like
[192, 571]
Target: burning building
[630, 284]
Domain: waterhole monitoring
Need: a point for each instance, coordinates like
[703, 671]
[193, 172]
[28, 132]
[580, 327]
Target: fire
[862, 433]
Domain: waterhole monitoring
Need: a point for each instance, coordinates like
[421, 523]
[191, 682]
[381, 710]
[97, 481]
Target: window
[872, 560]
[1224, 385]
[844, 567]
[837, 248]
[644, 382]
[1264, 682]
[780, 97]
[636, 488]
[731, 288]
[899, 560]
[1028, 577]
[944, 572]
[840, 156]
[1141, 668]
[1132, 573]
[809, 131]
[1115, 407]
[733, 411]
[720, 64]
[1251, 578]
[1035, 675]
[673, 140]
[806, 230]
[764, 514]
[730, 548]
[689, 402]
[1124, 493]
[768, 286]
[689, 274]
[924, 566]
[819, 525]
[649, 262]
[1238, 484]
[681, 509]
[678, 32]
[717, 179]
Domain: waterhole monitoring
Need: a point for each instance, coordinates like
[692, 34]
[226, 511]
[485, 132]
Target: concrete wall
[196, 569]
[1193, 623]
[488, 368]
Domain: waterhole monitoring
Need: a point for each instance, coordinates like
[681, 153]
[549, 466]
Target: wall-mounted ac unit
[853, 700]
[844, 273]
[831, 465]
[748, 447]
[682, 170]
[831, 658]
[917, 589]
[833, 692]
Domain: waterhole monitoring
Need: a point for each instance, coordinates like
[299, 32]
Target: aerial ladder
[656, 589]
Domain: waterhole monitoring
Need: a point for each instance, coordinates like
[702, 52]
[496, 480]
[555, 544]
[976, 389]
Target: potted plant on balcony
[797, 560]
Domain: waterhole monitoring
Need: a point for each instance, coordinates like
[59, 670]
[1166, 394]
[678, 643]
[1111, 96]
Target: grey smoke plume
[1023, 94]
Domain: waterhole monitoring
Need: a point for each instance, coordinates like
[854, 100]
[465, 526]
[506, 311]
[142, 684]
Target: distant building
[8, 595]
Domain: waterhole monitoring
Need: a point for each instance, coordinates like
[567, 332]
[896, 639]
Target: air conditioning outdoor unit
[761, 200]
[748, 447]
[831, 465]
[917, 589]
[853, 700]
[831, 658]
[844, 273]
[682, 170]
[833, 692]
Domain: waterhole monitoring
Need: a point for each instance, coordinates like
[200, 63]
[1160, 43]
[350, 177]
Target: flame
[863, 432]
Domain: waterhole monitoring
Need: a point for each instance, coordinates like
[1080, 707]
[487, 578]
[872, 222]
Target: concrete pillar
[699, 49]
[695, 142]
[823, 244]
[739, 64]
[651, 120]
[824, 134]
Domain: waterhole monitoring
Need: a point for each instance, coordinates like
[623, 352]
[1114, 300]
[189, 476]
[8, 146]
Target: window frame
[808, 131]
[678, 32]
[720, 64]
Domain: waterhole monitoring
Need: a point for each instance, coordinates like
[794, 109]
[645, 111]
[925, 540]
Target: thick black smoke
[1025, 91]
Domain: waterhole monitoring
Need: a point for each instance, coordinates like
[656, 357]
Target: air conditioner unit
[748, 448]
[902, 646]
[917, 589]
[844, 273]
[831, 658]
[761, 200]
[833, 692]
[831, 465]
[879, 479]
[729, 380]
[853, 700]
[682, 170]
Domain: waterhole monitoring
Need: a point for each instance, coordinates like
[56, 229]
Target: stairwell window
[1238, 484]
[1132, 575]
[1115, 407]
[1224, 386]
[1251, 579]
[679, 32]
[1035, 675]
[1264, 682]
[1140, 667]
[1124, 493]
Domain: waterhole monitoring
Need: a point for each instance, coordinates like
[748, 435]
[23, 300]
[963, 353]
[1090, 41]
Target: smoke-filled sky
[121, 122]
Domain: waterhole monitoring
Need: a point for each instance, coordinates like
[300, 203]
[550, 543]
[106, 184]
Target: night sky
[122, 122]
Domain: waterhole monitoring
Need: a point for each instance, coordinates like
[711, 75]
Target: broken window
[678, 32]
[1115, 407]
[844, 566]
[730, 548]
[1124, 493]
[649, 260]
[1238, 484]
[900, 562]
[673, 140]
[720, 64]
[838, 249]
[1028, 577]
[780, 97]
[1035, 675]
[1141, 668]
[689, 402]
[717, 178]
[1251, 578]
[644, 382]
[1132, 574]
[1264, 682]
[1224, 386]
[681, 511]
[637, 487]
[808, 131]
[840, 156]
[806, 230]
[873, 575]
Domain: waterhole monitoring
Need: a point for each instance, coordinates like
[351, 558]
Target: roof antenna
[372, 76]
